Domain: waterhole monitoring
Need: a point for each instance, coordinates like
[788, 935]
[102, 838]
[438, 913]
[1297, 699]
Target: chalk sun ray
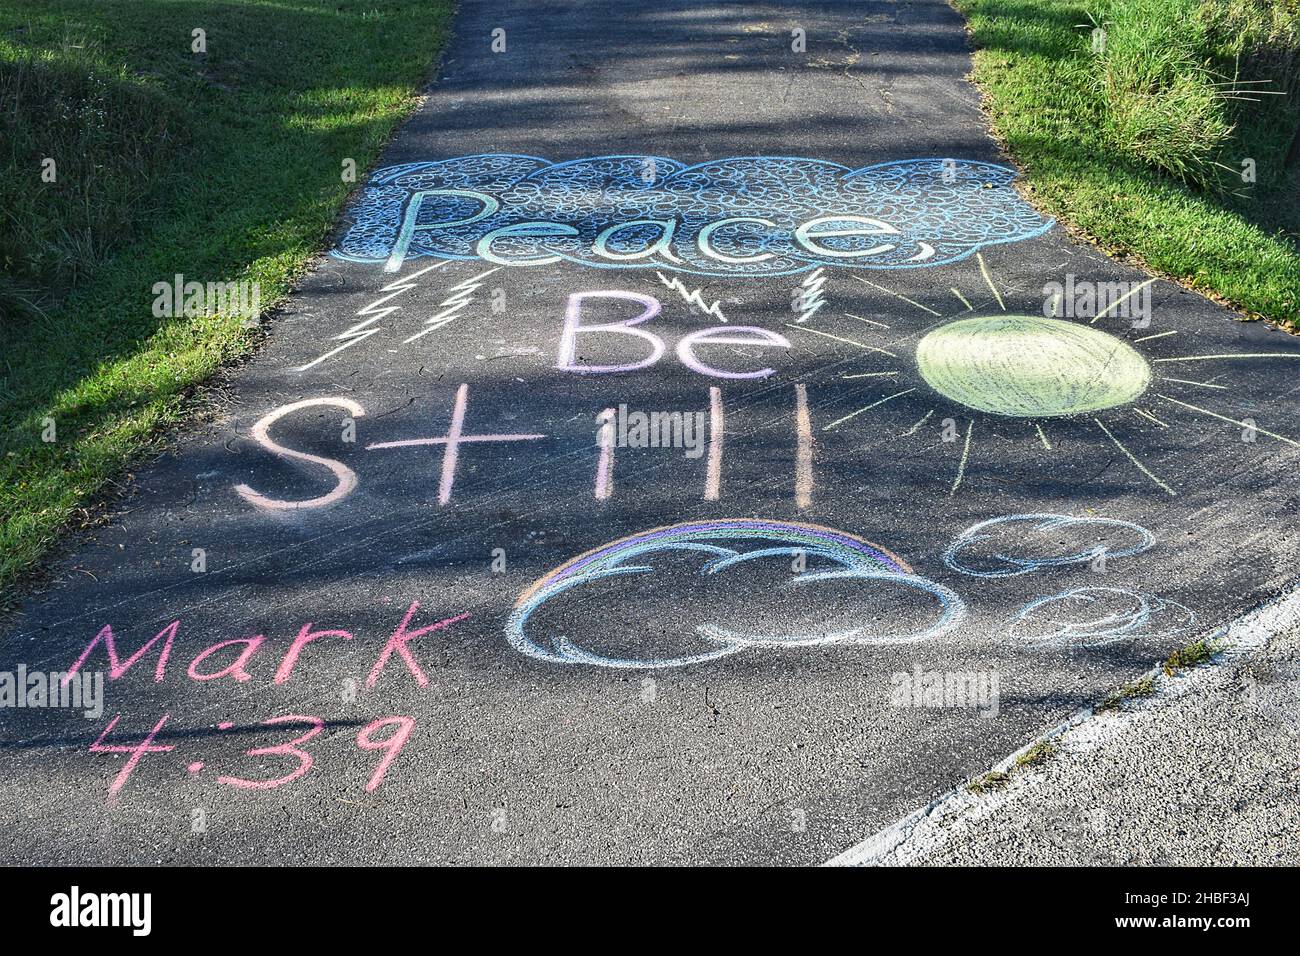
[837, 338]
[988, 279]
[1148, 415]
[899, 295]
[883, 325]
[876, 404]
[1225, 418]
[915, 428]
[965, 457]
[1239, 355]
[1184, 381]
[1133, 458]
[1120, 301]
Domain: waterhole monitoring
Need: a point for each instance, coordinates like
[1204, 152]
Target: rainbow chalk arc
[720, 542]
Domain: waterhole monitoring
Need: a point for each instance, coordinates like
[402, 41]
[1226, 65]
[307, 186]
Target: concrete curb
[911, 839]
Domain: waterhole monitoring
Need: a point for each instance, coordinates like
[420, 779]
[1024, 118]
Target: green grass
[222, 166]
[1131, 690]
[1039, 753]
[1140, 145]
[1193, 655]
[1035, 756]
[993, 780]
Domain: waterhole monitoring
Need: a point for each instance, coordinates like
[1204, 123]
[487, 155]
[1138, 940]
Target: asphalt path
[898, 448]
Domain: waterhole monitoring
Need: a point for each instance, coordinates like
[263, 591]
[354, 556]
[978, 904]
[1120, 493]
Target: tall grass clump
[80, 152]
[1194, 87]
[1162, 94]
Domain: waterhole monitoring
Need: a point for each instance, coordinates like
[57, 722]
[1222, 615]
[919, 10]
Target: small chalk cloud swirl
[1098, 616]
[737, 216]
[1023, 544]
[728, 547]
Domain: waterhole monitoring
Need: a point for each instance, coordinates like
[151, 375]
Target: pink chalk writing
[345, 477]
[386, 735]
[392, 744]
[289, 749]
[116, 667]
[136, 751]
[305, 637]
[207, 663]
[401, 637]
[235, 669]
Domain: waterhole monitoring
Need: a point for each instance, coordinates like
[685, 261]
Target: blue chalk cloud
[1022, 544]
[738, 216]
[1096, 616]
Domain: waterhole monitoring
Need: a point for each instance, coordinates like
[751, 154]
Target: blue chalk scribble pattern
[738, 216]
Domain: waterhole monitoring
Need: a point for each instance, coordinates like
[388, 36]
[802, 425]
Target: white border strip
[932, 825]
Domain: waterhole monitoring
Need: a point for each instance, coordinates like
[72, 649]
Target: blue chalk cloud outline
[1012, 564]
[934, 211]
[720, 541]
[1097, 616]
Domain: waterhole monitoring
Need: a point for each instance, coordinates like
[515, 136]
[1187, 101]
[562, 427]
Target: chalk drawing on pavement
[613, 428]
[451, 443]
[1023, 544]
[809, 299]
[724, 548]
[462, 294]
[370, 314]
[693, 297]
[738, 216]
[610, 300]
[1025, 366]
[1043, 370]
[345, 479]
[1098, 616]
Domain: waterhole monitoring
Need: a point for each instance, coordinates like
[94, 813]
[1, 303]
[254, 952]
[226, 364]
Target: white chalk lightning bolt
[810, 300]
[462, 295]
[373, 313]
[693, 297]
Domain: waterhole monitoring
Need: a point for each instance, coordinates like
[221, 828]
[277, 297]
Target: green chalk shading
[1025, 366]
